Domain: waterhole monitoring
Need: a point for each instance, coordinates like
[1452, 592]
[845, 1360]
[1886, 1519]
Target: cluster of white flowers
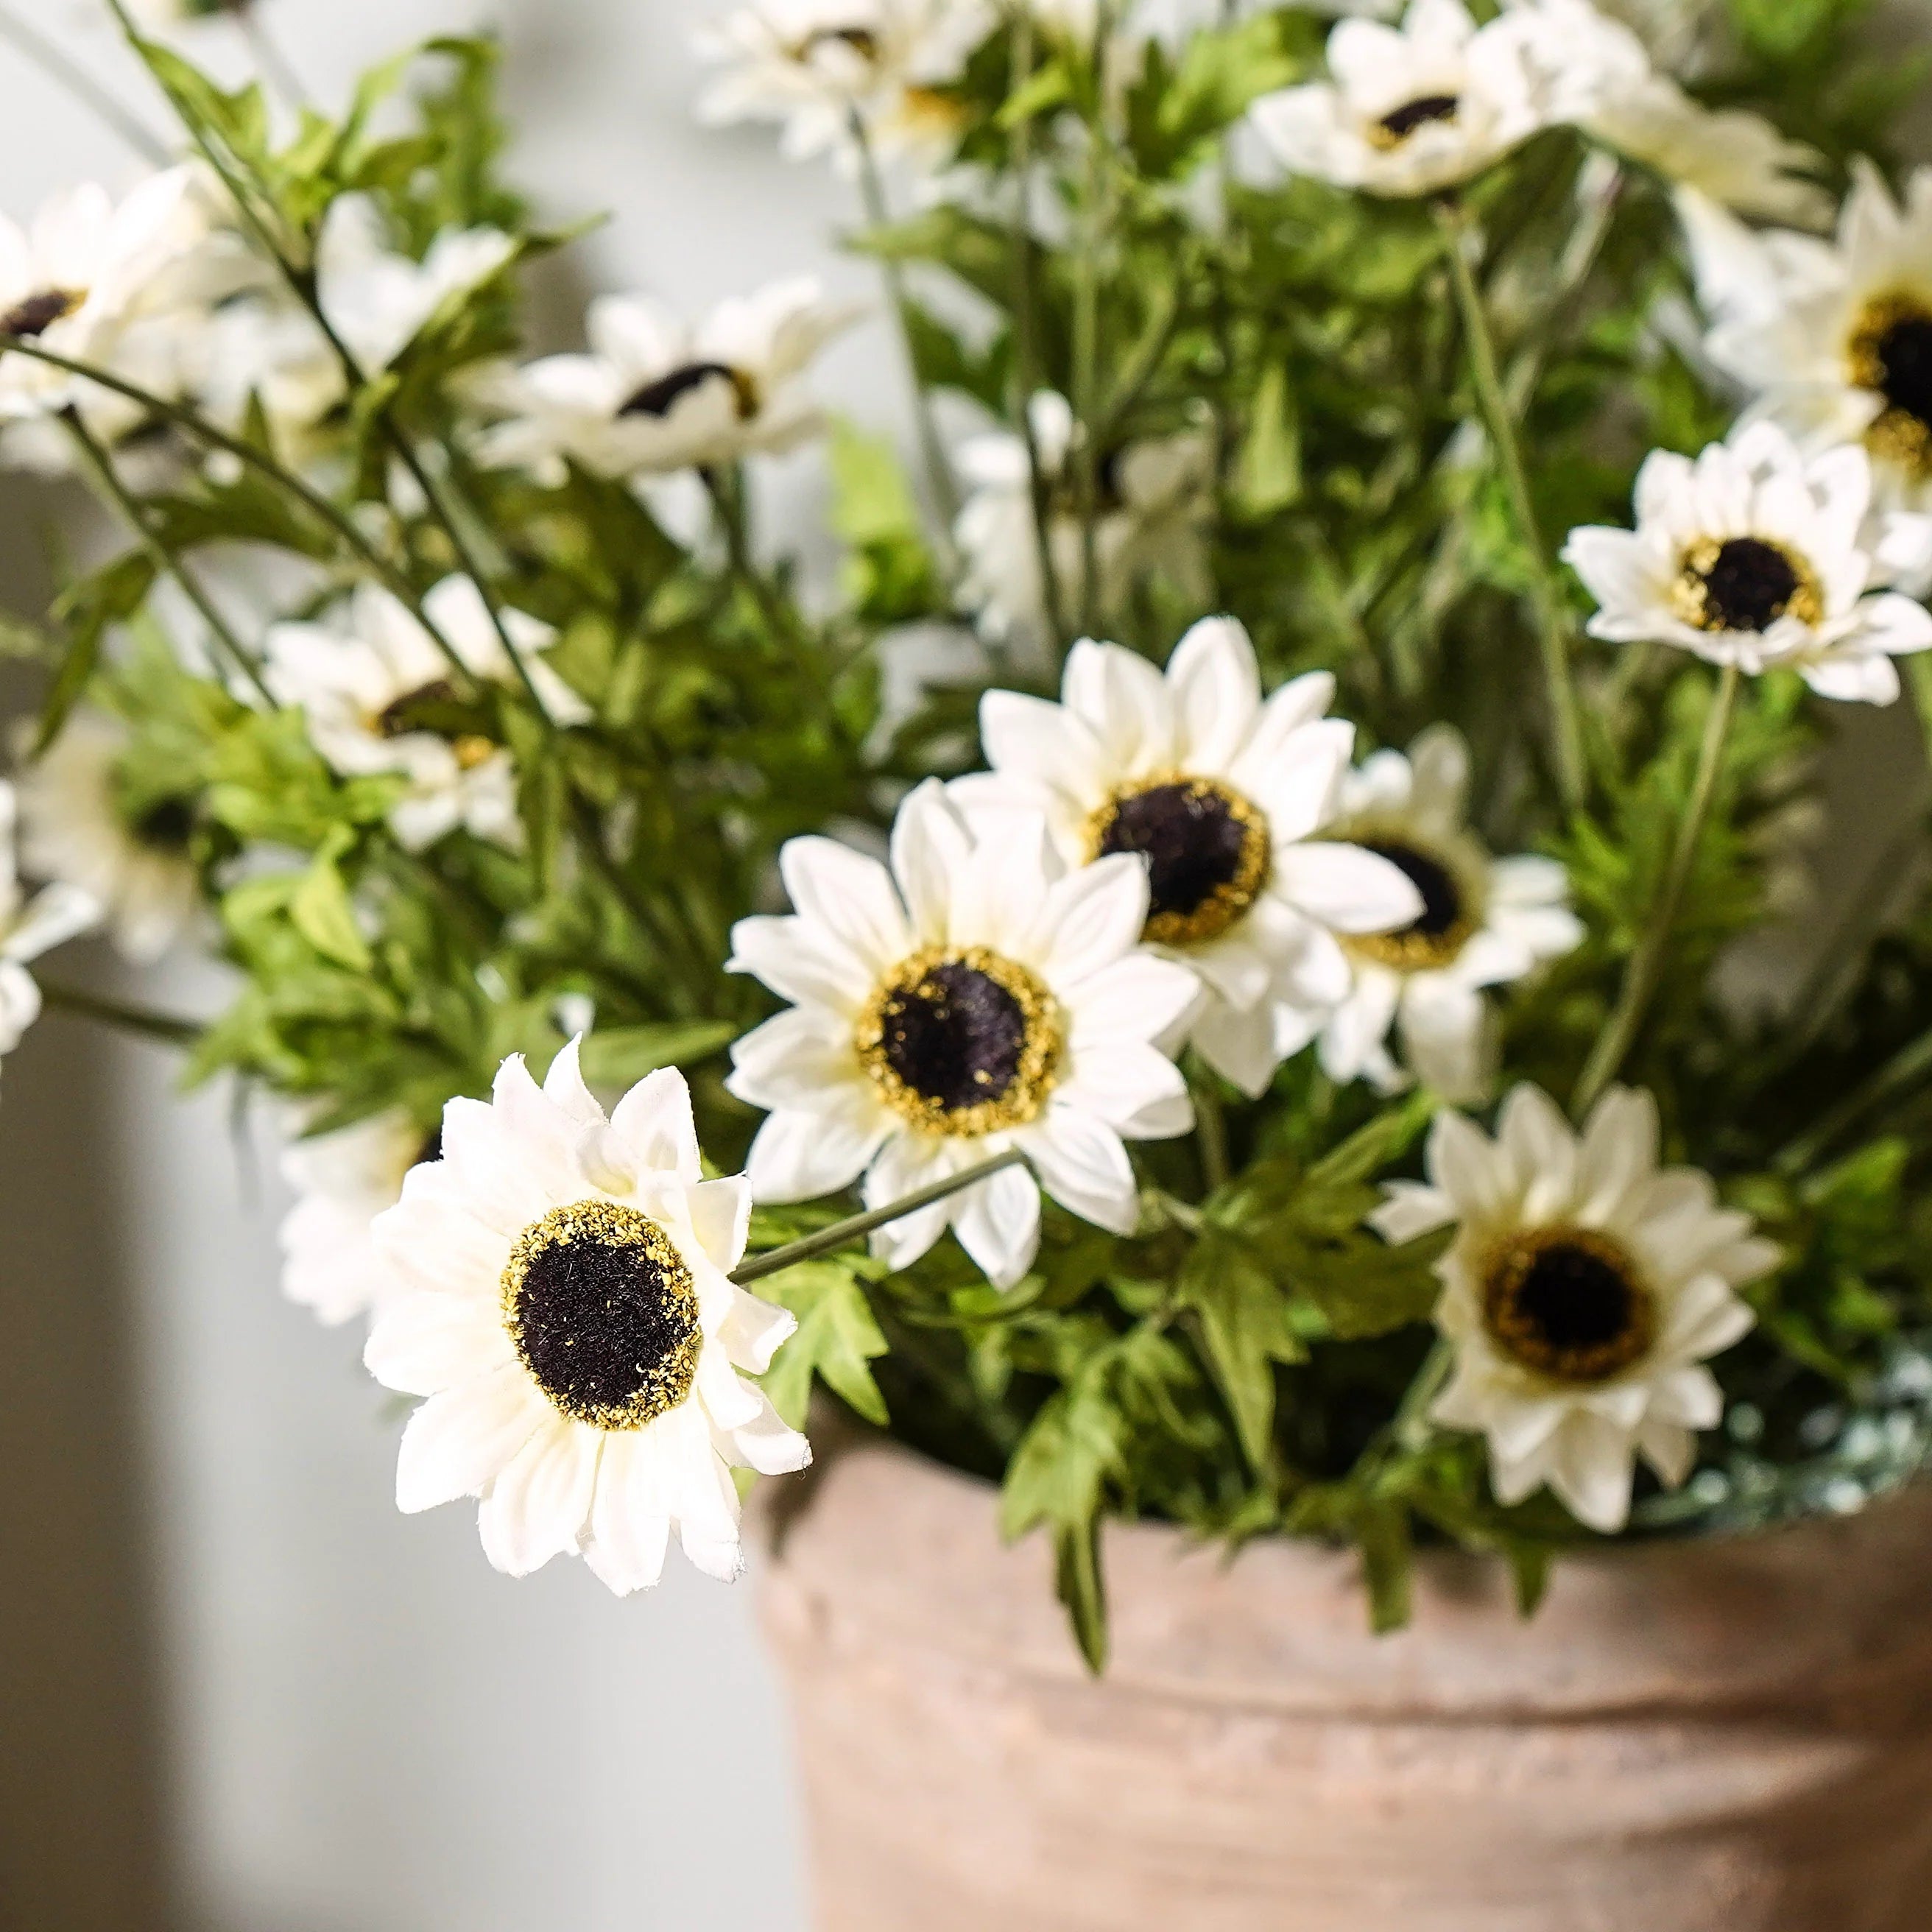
[1161, 872]
[1426, 106]
[1153, 863]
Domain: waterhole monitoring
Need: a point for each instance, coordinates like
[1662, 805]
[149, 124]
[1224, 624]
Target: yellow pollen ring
[1898, 436]
[1224, 902]
[1024, 1095]
[1611, 1313]
[1422, 945]
[1690, 591]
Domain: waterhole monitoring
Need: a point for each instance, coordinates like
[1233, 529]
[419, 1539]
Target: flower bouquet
[1256, 962]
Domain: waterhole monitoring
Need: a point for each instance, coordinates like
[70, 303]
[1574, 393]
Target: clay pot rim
[1683, 1627]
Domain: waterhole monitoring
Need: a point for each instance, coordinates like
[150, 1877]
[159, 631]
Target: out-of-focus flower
[29, 927]
[1485, 921]
[1408, 110]
[825, 70]
[1154, 508]
[343, 1180]
[379, 697]
[79, 826]
[654, 394]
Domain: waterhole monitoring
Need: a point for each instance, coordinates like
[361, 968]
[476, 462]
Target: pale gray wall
[237, 1691]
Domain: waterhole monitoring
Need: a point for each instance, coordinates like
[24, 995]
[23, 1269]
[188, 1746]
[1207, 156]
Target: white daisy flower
[29, 927]
[103, 282]
[1753, 555]
[1408, 110]
[1585, 1288]
[343, 1180]
[379, 698]
[1155, 509]
[1593, 71]
[563, 1299]
[1836, 341]
[818, 66]
[76, 828]
[1229, 801]
[1485, 921]
[654, 394]
[970, 999]
[155, 16]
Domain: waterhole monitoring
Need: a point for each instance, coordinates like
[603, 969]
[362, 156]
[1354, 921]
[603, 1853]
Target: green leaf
[838, 1338]
[325, 916]
[1382, 1532]
[1268, 476]
[622, 1056]
[87, 610]
[1245, 1325]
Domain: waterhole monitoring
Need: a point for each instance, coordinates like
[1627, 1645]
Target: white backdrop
[363, 1728]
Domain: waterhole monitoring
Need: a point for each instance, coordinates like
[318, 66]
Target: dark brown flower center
[603, 1314]
[1744, 584]
[1392, 130]
[1568, 1303]
[660, 398]
[39, 312]
[963, 1042]
[1435, 938]
[1207, 851]
[1891, 351]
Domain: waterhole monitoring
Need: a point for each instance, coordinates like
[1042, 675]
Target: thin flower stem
[1026, 334]
[932, 445]
[1210, 1131]
[1085, 397]
[727, 499]
[166, 1028]
[1553, 626]
[99, 468]
[856, 1227]
[301, 283]
[265, 466]
[1905, 1069]
[67, 73]
[1646, 970]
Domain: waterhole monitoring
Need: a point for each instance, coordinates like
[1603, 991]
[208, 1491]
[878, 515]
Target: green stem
[1026, 335]
[727, 499]
[141, 1020]
[1904, 1069]
[1210, 1131]
[1646, 970]
[1084, 385]
[70, 74]
[932, 444]
[1552, 615]
[856, 1227]
[187, 420]
[100, 466]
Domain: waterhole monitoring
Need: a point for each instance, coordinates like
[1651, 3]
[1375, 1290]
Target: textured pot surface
[1714, 1737]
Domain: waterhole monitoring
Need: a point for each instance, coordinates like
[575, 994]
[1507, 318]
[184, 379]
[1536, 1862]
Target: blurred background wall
[239, 1693]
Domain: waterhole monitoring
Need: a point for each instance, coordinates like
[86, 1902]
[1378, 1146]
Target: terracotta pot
[1728, 1736]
